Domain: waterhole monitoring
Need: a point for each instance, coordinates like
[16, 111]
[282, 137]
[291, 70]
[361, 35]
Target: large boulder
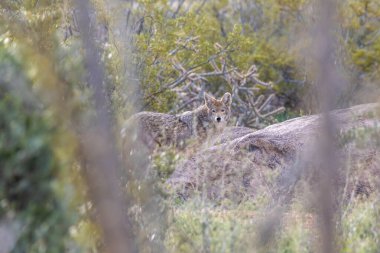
[237, 163]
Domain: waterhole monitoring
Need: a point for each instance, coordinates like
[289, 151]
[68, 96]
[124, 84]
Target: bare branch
[247, 109]
[267, 101]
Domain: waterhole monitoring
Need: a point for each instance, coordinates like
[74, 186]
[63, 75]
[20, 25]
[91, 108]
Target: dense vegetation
[45, 103]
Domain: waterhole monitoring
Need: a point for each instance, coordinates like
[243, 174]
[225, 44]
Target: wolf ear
[226, 99]
[208, 100]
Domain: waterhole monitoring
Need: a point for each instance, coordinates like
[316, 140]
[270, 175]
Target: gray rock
[236, 163]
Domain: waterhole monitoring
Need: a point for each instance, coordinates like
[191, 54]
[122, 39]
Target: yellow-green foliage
[198, 227]
[40, 75]
[206, 229]
[165, 161]
[30, 169]
[361, 228]
[165, 37]
[360, 48]
[269, 33]
[297, 233]
[360, 20]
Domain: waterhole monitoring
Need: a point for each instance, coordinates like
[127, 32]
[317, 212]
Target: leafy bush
[361, 227]
[200, 228]
[164, 162]
[29, 167]
[190, 38]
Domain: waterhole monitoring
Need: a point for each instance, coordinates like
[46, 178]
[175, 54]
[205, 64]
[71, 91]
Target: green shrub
[28, 171]
[361, 228]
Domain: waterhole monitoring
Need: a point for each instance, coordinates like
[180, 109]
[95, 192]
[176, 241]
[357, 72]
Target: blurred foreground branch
[103, 166]
[327, 84]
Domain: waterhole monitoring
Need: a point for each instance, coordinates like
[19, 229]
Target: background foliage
[30, 170]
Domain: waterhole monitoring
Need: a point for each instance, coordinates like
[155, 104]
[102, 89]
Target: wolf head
[219, 110]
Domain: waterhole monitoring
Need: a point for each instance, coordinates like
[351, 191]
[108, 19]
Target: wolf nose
[218, 119]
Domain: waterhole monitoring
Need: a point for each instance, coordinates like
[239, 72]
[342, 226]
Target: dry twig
[251, 105]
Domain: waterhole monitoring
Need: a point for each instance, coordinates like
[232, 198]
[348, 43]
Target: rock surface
[240, 162]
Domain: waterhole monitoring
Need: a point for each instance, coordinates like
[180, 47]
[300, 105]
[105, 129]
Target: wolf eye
[222, 110]
[213, 110]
